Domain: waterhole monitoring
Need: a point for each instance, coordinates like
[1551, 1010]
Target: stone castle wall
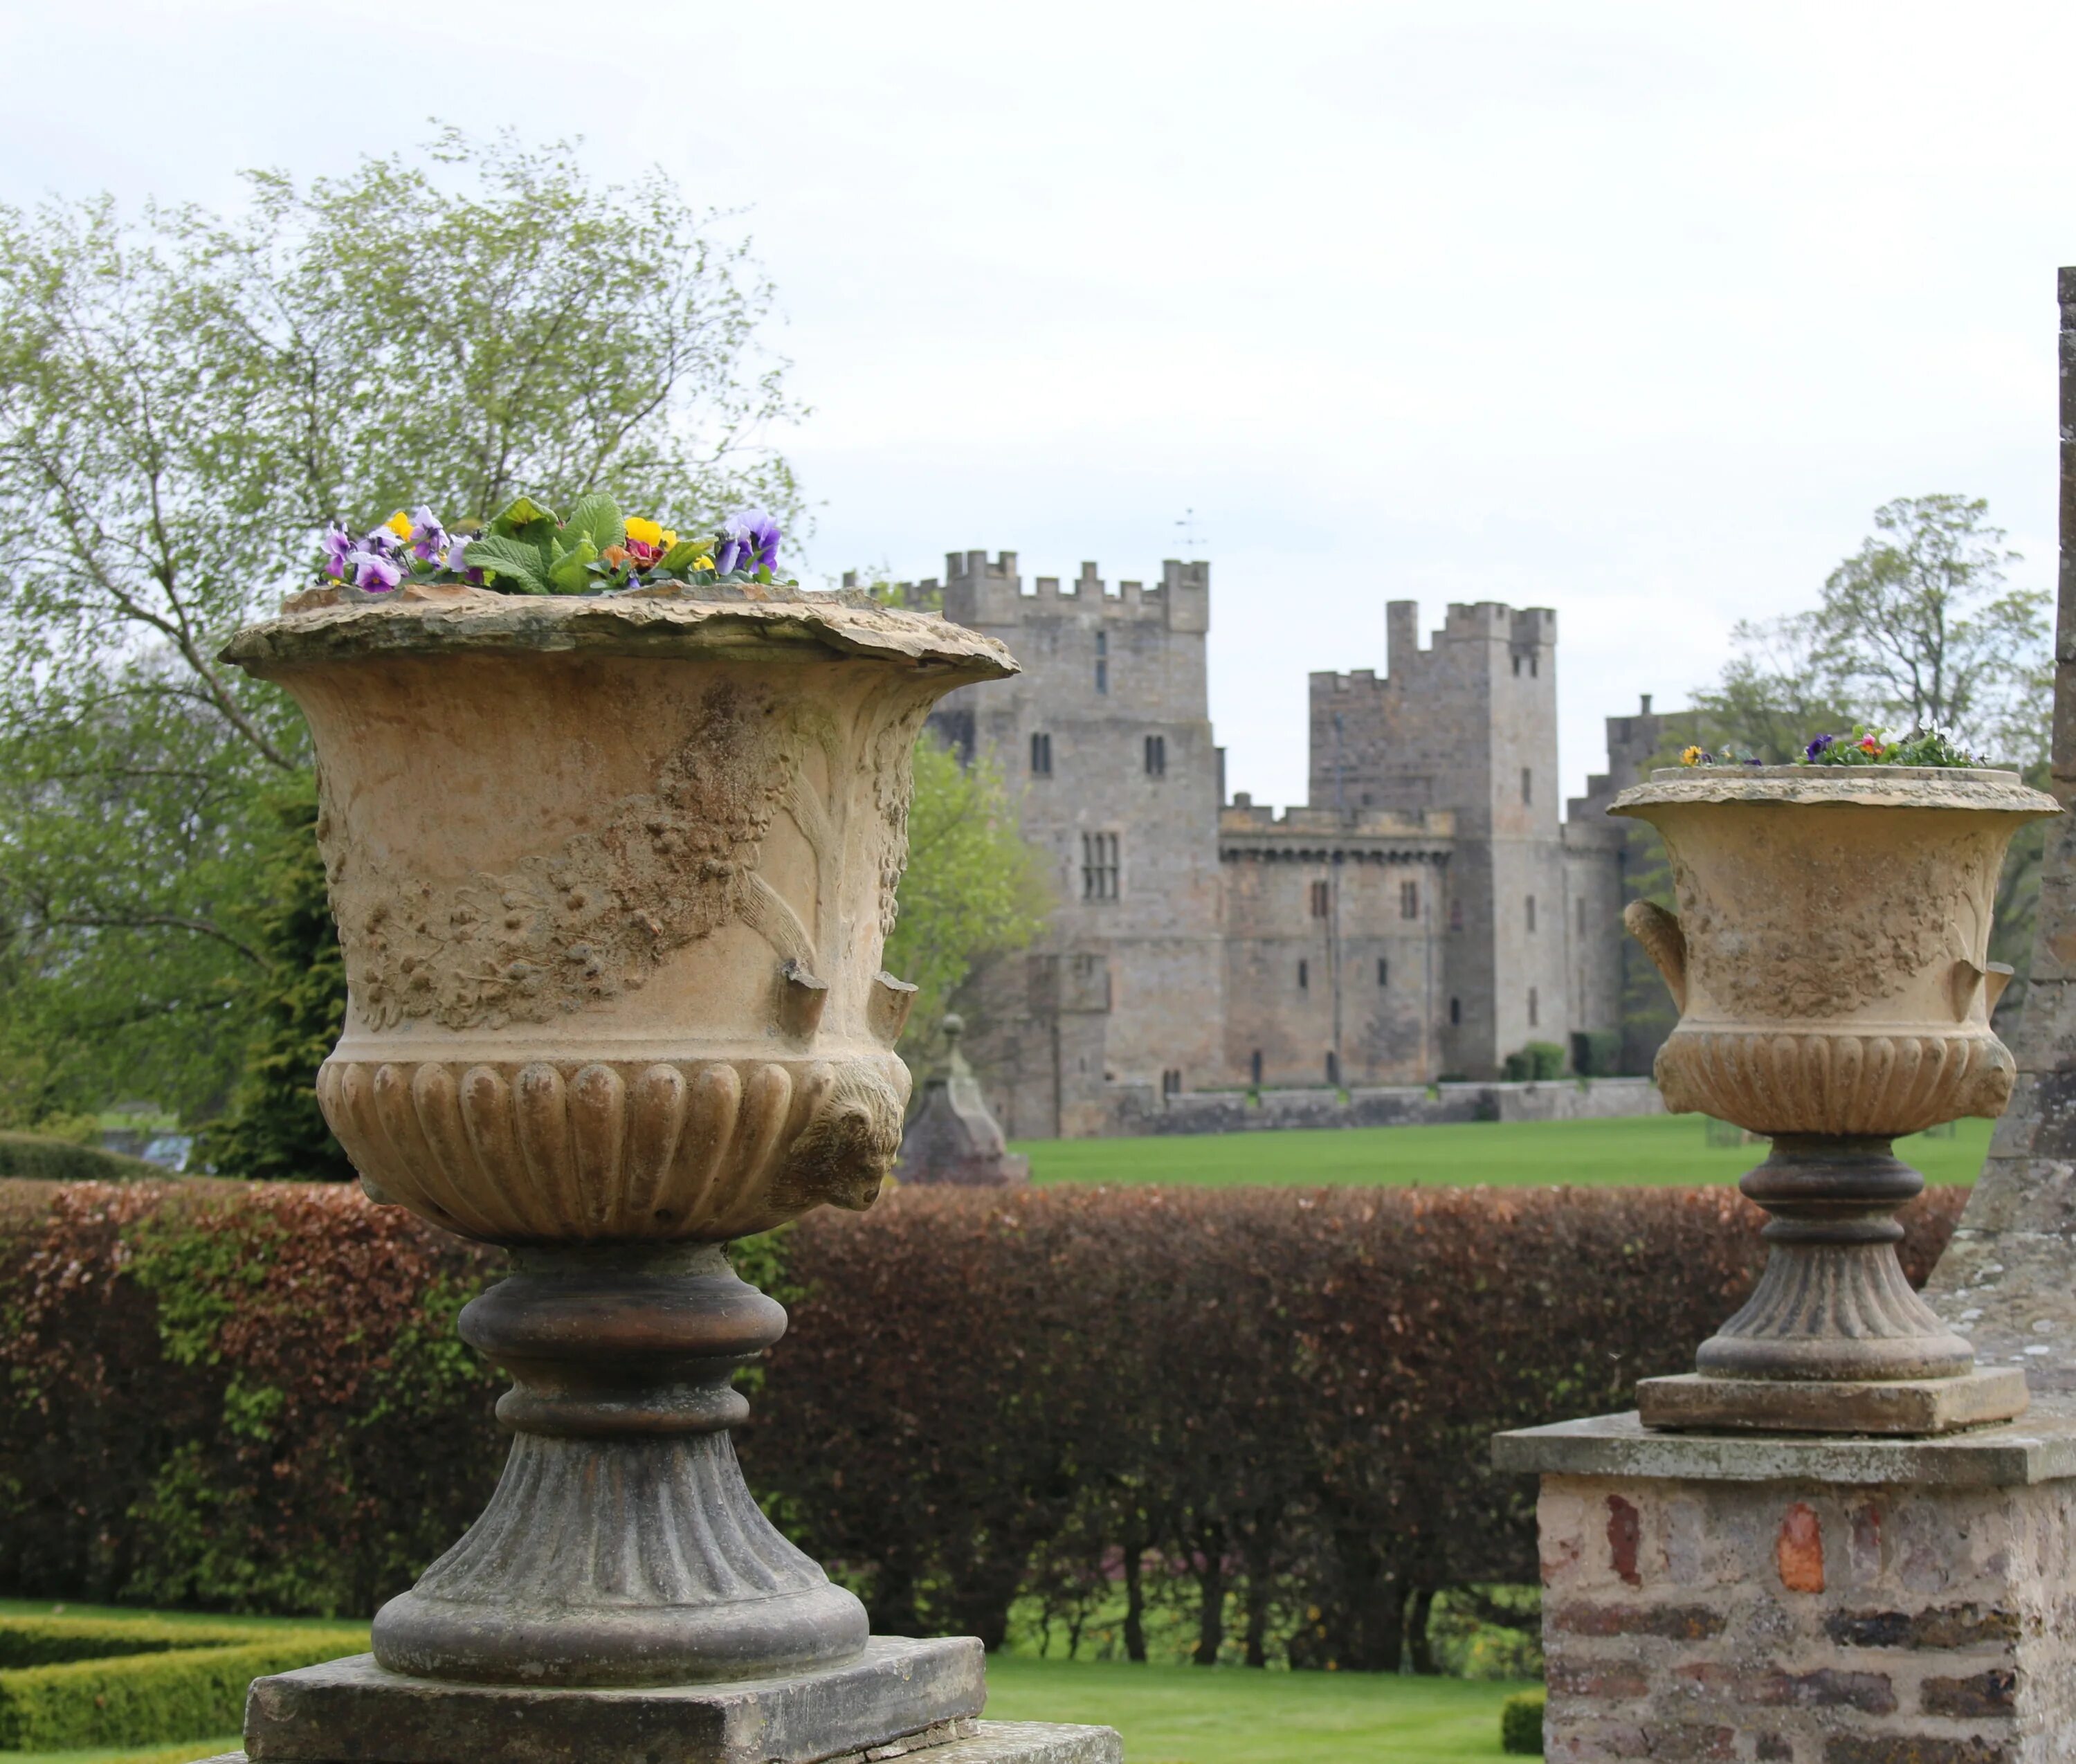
[1426, 914]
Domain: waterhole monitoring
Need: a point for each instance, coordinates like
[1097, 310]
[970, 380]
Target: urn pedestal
[1830, 960]
[612, 875]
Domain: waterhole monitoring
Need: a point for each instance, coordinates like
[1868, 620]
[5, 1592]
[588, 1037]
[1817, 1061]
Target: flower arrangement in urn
[527, 549]
[611, 824]
[1829, 958]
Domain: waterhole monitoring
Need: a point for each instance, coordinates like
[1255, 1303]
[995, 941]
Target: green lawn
[1671, 1148]
[1227, 1715]
[1168, 1714]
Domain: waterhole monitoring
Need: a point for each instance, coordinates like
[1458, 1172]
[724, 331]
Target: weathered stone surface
[2040, 1449]
[353, 1709]
[973, 1743]
[1913, 1406]
[1832, 1621]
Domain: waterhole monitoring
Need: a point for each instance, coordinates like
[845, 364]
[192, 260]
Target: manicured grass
[1659, 1149]
[1228, 1715]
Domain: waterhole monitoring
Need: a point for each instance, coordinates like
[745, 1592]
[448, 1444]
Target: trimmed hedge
[148, 1699]
[42, 1641]
[1270, 1407]
[40, 1159]
[1521, 1724]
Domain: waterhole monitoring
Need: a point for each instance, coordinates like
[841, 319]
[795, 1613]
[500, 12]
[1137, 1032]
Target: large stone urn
[612, 875]
[1830, 961]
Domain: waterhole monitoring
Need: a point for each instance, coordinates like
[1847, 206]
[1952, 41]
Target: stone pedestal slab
[1895, 1405]
[1807, 1600]
[352, 1709]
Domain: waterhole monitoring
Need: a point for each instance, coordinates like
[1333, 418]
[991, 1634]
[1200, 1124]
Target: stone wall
[1140, 1108]
[1807, 1623]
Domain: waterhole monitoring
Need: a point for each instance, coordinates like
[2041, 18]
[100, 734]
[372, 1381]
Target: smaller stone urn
[954, 1140]
[1830, 960]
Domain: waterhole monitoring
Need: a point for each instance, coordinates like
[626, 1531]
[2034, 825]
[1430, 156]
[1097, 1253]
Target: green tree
[186, 399]
[973, 888]
[274, 1131]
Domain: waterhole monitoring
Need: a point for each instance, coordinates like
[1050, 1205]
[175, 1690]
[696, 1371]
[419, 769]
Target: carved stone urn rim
[1874, 787]
[731, 623]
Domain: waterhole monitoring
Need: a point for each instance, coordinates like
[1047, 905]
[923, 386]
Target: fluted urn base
[622, 1548]
[1833, 1339]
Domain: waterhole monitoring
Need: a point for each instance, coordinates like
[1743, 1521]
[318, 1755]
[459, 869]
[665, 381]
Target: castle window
[1333, 1067]
[1099, 866]
[1156, 756]
[1383, 972]
[1531, 915]
[1408, 900]
[1171, 1083]
[1533, 668]
[1304, 974]
[1456, 914]
[1103, 666]
[1254, 1065]
[1321, 900]
[1455, 1010]
[1527, 785]
[1041, 756]
[1533, 1017]
[1516, 664]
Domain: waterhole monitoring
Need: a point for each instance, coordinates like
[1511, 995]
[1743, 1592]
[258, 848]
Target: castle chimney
[1646, 711]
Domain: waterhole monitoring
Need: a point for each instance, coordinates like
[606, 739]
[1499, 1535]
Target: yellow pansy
[400, 524]
[1691, 756]
[647, 532]
[703, 562]
[668, 540]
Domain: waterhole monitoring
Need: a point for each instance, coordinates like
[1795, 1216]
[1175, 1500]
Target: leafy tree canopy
[186, 399]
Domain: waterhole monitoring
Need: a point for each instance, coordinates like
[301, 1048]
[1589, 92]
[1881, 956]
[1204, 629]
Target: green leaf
[521, 563]
[597, 519]
[524, 518]
[571, 571]
[680, 555]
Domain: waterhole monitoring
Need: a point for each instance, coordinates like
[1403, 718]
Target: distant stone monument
[1824, 1597]
[954, 1141]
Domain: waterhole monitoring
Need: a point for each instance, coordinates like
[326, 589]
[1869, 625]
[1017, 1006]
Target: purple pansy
[338, 547]
[429, 538]
[1816, 747]
[375, 572]
[748, 541]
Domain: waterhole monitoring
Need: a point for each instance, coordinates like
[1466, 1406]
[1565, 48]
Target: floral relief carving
[565, 929]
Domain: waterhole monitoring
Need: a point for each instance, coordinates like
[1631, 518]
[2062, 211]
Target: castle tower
[1469, 724]
[1104, 743]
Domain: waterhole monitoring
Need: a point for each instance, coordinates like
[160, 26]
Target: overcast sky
[1634, 311]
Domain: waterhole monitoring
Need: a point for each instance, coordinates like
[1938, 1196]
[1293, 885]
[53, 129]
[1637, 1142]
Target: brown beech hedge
[1272, 1404]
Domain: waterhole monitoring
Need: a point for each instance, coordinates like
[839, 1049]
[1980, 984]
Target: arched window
[1455, 1010]
[1304, 973]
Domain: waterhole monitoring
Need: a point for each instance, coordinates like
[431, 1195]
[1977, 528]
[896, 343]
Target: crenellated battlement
[989, 594]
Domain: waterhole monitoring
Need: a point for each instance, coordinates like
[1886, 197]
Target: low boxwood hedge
[1521, 1724]
[43, 1158]
[49, 1641]
[177, 1693]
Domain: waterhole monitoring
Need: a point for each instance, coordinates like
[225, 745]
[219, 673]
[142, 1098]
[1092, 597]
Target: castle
[1426, 914]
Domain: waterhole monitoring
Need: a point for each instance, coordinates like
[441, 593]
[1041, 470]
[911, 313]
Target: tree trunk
[1210, 1554]
[1419, 1648]
[1135, 1596]
[1257, 1615]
